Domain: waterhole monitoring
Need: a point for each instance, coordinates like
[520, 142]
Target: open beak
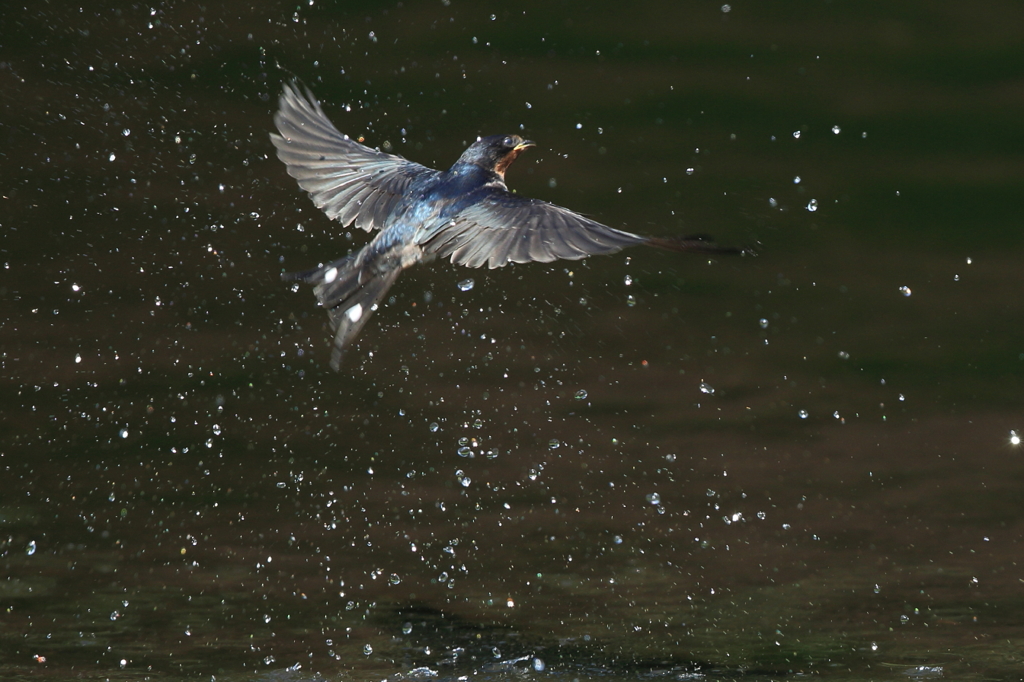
[524, 144]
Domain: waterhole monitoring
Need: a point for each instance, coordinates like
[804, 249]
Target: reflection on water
[643, 466]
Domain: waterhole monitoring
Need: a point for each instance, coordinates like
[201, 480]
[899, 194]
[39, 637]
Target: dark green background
[187, 490]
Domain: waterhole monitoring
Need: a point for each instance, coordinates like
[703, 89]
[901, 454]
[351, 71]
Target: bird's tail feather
[349, 291]
[349, 313]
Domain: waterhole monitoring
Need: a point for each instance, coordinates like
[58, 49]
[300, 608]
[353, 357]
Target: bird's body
[465, 213]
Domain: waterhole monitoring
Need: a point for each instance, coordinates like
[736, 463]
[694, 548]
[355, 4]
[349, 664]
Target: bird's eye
[508, 141]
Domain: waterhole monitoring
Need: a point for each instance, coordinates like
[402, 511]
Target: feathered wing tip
[349, 182]
[698, 244]
[350, 294]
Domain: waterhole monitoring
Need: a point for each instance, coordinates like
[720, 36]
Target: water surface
[631, 467]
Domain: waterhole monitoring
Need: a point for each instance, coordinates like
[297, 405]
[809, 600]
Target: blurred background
[645, 465]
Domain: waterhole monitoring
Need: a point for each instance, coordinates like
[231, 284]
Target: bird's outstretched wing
[503, 228]
[350, 182]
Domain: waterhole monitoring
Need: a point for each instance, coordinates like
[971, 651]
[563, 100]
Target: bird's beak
[524, 144]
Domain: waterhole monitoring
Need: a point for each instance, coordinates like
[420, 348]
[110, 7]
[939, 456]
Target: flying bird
[465, 213]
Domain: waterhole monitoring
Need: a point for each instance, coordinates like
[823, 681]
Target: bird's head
[495, 152]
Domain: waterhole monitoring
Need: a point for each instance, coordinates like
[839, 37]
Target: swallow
[466, 213]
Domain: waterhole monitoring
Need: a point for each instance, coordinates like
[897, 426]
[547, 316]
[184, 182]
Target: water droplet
[763, 323]
[395, 579]
[761, 515]
[466, 284]
[367, 649]
[31, 548]
[905, 290]
[464, 451]
[112, 156]
[407, 628]
[216, 429]
[796, 134]
[670, 457]
[654, 498]
[581, 394]
[836, 130]
[630, 301]
[1014, 437]
[538, 665]
[553, 444]
[707, 388]
[796, 180]
[123, 433]
[266, 618]
[78, 358]
[803, 414]
[812, 205]
[843, 355]
[874, 646]
[627, 280]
